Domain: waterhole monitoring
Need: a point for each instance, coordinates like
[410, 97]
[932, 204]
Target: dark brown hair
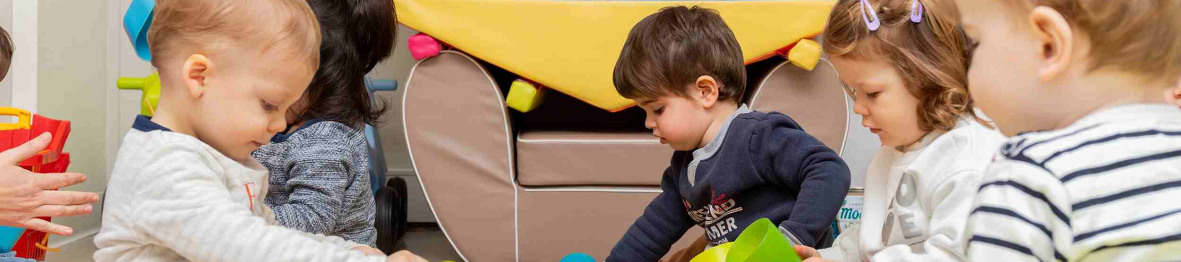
[667, 51]
[356, 35]
[5, 53]
[932, 56]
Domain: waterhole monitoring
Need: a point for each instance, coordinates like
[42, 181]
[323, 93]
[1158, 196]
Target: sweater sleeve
[952, 202]
[319, 178]
[847, 246]
[790, 158]
[269, 216]
[193, 213]
[661, 225]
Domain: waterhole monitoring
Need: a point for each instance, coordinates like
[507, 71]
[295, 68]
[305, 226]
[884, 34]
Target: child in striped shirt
[1092, 171]
[1174, 95]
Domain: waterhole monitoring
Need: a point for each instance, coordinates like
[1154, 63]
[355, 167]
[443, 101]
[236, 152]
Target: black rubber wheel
[399, 186]
[387, 236]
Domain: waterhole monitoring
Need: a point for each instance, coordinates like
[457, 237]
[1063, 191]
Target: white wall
[71, 83]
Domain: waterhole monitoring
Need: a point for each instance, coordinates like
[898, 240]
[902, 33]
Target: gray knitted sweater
[319, 180]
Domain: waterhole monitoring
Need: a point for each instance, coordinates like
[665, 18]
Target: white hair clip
[871, 24]
[916, 12]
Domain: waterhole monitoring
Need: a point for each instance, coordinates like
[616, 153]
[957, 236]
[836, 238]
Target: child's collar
[144, 124]
[286, 134]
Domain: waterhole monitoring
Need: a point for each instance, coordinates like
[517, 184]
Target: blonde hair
[184, 27]
[1133, 36]
[930, 55]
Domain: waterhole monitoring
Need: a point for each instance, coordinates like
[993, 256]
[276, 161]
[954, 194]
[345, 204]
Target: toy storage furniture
[524, 149]
[507, 187]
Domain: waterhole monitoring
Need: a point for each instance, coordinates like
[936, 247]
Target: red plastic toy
[33, 244]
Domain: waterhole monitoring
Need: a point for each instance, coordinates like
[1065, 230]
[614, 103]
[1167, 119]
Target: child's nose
[650, 122]
[277, 125]
[860, 109]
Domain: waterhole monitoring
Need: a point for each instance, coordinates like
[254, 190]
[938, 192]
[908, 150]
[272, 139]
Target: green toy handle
[149, 86]
[131, 83]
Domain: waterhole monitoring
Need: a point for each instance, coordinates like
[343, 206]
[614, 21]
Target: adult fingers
[67, 198]
[47, 227]
[26, 150]
[58, 180]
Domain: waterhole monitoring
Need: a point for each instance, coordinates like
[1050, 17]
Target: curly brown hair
[932, 56]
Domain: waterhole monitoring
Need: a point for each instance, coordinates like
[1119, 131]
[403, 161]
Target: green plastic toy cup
[760, 242]
[714, 254]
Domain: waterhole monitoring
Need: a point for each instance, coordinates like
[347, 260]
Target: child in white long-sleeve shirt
[184, 186]
[905, 65]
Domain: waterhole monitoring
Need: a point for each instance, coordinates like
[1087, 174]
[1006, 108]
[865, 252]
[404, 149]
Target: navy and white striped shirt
[1106, 188]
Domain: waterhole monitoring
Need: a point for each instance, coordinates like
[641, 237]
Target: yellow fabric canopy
[571, 46]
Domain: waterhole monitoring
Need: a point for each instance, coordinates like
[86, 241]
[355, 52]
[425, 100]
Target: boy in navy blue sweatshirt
[732, 165]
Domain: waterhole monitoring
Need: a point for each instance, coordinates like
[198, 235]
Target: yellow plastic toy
[524, 96]
[572, 46]
[23, 119]
[151, 91]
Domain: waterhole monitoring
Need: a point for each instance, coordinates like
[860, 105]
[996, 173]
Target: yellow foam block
[805, 54]
[524, 96]
[571, 46]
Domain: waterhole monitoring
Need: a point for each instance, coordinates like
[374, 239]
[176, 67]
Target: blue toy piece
[8, 237]
[577, 257]
[136, 22]
[377, 167]
[389, 195]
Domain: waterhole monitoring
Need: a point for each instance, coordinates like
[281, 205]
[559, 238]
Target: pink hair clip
[916, 12]
[871, 24]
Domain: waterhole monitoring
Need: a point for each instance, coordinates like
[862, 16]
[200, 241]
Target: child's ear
[1055, 39]
[706, 91]
[197, 70]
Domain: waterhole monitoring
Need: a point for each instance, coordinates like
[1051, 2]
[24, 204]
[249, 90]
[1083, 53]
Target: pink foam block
[423, 46]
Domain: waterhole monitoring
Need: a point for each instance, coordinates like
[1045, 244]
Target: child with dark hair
[5, 53]
[733, 165]
[319, 173]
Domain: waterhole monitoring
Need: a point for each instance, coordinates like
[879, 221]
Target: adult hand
[25, 195]
[404, 256]
[369, 251]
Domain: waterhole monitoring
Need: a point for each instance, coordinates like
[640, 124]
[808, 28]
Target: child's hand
[369, 251]
[807, 253]
[404, 256]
